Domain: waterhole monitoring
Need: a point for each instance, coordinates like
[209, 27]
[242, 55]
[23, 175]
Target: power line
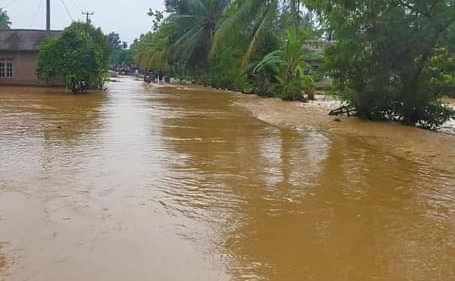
[8, 4]
[67, 10]
[78, 3]
[38, 8]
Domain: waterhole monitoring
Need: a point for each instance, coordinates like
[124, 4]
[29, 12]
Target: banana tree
[288, 66]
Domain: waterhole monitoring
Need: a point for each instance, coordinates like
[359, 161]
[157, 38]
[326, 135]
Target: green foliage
[180, 42]
[120, 53]
[289, 68]
[392, 59]
[249, 23]
[389, 58]
[224, 72]
[158, 17]
[151, 51]
[442, 70]
[219, 43]
[114, 40]
[80, 55]
[4, 20]
[121, 56]
[190, 28]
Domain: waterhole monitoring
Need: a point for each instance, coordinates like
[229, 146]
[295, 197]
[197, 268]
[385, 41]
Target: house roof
[24, 39]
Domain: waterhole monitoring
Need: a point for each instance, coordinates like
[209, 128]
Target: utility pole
[87, 14]
[48, 15]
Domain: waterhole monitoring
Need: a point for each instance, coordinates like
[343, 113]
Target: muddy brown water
[146, 183]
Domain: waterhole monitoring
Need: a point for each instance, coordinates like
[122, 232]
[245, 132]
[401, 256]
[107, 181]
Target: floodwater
[144, 183]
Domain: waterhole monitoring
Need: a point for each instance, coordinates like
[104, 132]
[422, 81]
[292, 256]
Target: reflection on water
[219, 194]
[307, 206]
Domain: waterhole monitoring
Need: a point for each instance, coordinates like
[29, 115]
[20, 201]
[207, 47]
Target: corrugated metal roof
[24, 40]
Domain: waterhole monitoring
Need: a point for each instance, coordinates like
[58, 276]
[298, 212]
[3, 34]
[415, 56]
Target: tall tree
[219, 42]
[383, 61]
[119, 49]
[251, 19]
[193, 27]
[114, 40]
[4, 20]
[158, 17]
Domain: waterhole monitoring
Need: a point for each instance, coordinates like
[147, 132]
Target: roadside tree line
[391, 59]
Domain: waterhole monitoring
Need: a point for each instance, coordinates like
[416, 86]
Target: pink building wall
[24, 68]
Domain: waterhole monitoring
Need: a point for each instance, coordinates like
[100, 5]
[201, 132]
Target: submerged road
[145, 183]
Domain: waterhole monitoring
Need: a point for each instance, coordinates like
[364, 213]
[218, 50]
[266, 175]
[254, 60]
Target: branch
[413, 8]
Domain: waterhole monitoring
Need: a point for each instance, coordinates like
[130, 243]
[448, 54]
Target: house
[18, 55]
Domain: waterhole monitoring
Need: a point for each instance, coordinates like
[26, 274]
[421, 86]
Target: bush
[391, 64]
[79, 57]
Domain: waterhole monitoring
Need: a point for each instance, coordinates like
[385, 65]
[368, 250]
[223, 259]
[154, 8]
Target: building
[18, 55]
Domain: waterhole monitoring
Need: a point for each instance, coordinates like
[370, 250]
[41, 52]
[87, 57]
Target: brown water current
[146, 183]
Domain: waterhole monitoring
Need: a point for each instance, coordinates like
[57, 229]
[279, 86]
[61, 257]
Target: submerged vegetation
[388, 62]
[80, 58]
[390, 59]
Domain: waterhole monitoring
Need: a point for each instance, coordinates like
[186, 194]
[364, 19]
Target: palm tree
[151, 51]
[253, 18]
[192, 24]
[256, 19]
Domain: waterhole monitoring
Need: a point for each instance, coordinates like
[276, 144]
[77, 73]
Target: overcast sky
[127, 17]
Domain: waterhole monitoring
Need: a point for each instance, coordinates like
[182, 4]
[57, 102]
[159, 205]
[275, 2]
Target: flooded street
[142, 183]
